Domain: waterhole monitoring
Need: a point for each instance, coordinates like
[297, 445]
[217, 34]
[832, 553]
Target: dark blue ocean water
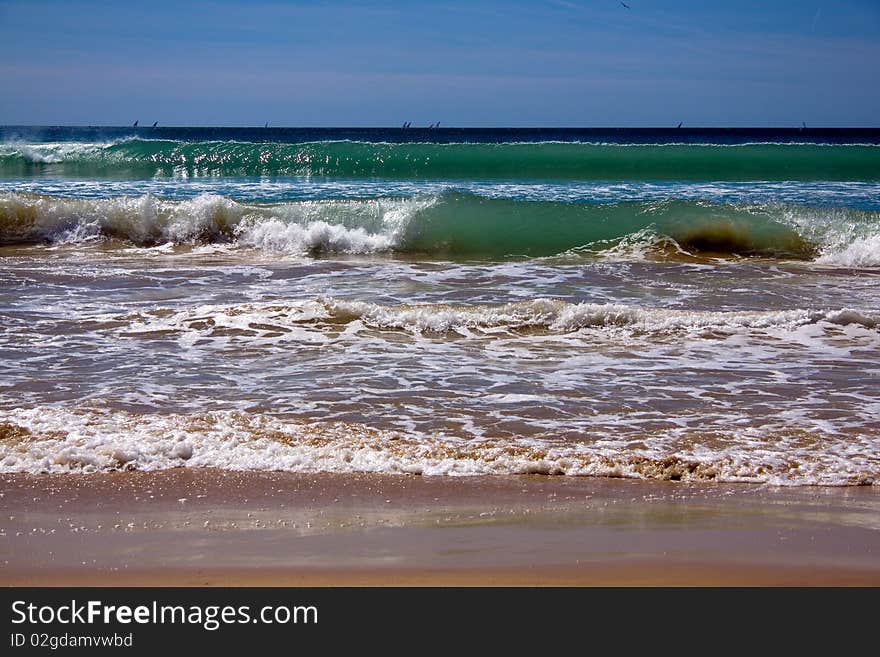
[444, 135]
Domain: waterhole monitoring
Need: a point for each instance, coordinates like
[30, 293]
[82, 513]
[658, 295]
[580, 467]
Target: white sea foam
[542, 314]
[35, 156]
[278, 236]
[297, 228]
[52, 153]
[845, 237]
[644, 244]
[54, 440]
[863, 252]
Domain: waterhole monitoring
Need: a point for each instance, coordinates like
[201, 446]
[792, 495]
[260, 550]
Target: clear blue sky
[465, 63]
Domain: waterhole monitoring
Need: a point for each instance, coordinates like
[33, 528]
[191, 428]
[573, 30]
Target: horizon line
[446, 127]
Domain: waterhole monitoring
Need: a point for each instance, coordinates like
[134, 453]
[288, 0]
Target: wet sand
[189, 527]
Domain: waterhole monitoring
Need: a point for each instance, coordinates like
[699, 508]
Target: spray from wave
[297, 228]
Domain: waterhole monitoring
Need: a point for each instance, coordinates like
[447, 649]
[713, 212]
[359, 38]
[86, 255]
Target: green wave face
[464, 225]
[560, 161]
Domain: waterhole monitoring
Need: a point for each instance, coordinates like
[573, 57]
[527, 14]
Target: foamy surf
[54, 440]
[863, 252]
[542, 315]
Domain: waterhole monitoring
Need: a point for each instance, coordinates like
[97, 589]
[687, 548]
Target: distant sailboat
[155, 124]
[135, 124]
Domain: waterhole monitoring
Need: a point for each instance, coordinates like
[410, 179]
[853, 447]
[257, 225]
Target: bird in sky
[625, 5]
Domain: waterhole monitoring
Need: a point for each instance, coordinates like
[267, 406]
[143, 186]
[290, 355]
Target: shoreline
[190, 527]
[658, 573]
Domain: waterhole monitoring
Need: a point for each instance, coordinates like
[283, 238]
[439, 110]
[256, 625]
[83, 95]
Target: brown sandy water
[196, 527]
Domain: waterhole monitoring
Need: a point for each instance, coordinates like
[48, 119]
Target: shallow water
[710, 329]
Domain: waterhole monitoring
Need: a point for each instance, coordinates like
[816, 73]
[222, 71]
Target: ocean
[685, 304]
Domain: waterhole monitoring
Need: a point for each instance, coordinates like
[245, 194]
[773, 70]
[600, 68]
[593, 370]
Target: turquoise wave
[139, 158]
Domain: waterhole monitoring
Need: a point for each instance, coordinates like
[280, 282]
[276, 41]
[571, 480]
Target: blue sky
[465, 63]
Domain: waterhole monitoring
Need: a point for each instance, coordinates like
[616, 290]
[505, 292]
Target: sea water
[673, 304]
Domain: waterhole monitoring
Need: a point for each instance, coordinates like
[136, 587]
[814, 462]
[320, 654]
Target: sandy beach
[198, 527]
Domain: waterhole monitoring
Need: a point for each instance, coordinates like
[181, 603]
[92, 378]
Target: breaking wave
[455, 224]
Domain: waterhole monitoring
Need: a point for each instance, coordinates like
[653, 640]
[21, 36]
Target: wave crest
[548, 160]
